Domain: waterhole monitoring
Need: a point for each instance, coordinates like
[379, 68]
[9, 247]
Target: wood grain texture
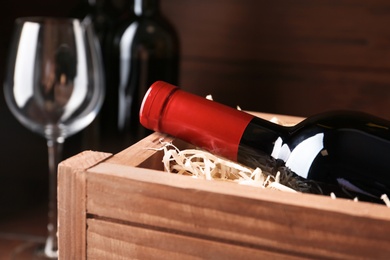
[289, 57]
[110, 240]
[140, 151]
[291, 224]
[72, 203]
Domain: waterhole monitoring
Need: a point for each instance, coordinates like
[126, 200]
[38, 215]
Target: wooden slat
[110, 240]
[72, 203]
[139, 152]
[294, 224]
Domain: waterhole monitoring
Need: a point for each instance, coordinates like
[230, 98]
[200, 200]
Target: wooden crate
[123, 206]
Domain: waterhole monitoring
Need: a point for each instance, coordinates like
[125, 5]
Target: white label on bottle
[302, 157]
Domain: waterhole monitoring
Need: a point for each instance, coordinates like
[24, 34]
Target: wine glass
[54, 87]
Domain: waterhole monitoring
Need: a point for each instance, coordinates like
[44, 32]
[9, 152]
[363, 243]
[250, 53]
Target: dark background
[296, 57]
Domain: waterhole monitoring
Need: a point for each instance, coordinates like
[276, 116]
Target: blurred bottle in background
[105, 16]
[140, 51]
[139, 47]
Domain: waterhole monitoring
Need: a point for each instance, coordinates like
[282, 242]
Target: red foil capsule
[194, 119]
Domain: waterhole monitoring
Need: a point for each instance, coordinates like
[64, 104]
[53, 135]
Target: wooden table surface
[21, 229]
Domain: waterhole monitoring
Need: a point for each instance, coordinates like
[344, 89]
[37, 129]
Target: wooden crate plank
[316, 225]
[141, 151]
[72, 203]
[110, 240]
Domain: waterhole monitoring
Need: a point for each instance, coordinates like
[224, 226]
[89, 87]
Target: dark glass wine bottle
[105, 15]
[143, 50]
[345, 149]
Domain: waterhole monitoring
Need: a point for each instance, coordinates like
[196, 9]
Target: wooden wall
[293, 57]
[297, 57]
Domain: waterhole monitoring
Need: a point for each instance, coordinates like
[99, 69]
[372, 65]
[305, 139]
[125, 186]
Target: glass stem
[55, 152]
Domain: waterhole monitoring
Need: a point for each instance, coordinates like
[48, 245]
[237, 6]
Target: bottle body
[105, 15]
[147, 53]
[345, 149]
[143, 49]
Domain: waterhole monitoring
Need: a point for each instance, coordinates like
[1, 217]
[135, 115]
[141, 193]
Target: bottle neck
[146, 7]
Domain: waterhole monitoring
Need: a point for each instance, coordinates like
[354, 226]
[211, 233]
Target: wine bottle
[143, 49]
[105, 15]
[342, 148]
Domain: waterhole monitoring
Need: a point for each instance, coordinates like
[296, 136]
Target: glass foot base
[33, 251]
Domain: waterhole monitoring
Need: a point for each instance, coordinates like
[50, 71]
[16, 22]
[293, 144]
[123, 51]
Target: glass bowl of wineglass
[54, 86]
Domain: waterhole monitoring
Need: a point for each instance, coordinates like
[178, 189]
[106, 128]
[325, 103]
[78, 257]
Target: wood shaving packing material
[202, 164]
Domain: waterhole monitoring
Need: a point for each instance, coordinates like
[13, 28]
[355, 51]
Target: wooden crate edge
[72, 203]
